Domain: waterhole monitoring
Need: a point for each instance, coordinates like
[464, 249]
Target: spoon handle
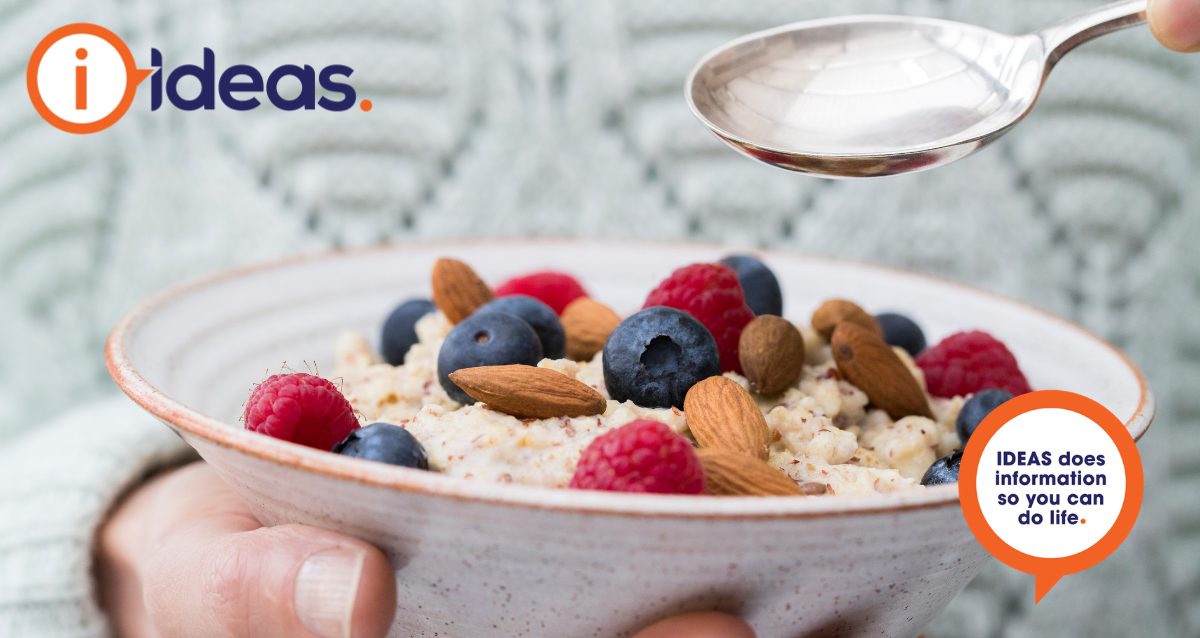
[1061, 37]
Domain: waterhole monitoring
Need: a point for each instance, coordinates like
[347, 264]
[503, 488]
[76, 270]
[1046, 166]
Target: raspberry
[641, 456]
[712, 294]
[969, 362]
[551, 288]
[301, 408]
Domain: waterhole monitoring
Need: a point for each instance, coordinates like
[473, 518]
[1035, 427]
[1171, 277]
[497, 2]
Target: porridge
[838, 407]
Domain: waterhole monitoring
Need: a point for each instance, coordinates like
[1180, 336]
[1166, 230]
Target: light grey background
[565, 117]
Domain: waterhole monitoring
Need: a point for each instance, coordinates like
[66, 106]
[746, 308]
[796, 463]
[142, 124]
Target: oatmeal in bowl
[482, 556]
[484, 389]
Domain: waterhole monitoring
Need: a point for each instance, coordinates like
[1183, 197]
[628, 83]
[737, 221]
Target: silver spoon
[866, 96]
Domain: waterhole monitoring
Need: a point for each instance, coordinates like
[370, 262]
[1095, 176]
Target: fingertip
[701, 624]
[375, 604]
[1175, 23]
[345, 591]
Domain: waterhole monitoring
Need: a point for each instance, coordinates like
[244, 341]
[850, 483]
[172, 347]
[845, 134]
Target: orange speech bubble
[133, 77]
[1047, 414]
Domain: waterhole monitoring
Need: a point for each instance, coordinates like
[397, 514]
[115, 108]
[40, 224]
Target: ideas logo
[82, 79]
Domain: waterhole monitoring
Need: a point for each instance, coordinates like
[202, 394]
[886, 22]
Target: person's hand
[183, 557]
[1176, 23]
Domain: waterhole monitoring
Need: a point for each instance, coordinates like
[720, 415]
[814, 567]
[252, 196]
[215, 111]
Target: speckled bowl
[476, 559]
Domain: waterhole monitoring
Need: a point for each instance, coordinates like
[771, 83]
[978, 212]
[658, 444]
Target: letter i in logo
[82, 78]
[81, 81]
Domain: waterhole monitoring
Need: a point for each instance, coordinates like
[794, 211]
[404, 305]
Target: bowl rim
[188, 421]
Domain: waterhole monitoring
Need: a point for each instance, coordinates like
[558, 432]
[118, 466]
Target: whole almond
[836, 311]
[587, 324]
[730, 473]
[528, 392]
[771, 351]
[457, 290]
[722, 414]
[865, 360]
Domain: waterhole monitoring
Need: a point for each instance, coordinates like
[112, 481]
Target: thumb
[701, 624]
[214, 571]
[1176, 23]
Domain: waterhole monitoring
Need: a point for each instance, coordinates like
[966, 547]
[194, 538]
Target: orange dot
[365, 105]
[81, 53]
[1082, 521]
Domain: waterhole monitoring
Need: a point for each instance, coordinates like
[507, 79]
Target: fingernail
[326, 589]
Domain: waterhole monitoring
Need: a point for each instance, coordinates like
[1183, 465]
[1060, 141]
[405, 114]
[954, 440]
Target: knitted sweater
[566, 117]
[56, 485]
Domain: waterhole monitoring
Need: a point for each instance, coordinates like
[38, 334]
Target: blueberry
[901, 331]
[761, 287]
[943, 470]
[488, 339]
[385, 443]
[656, 355]
[976, 409]
[538, 315]
[400, 329]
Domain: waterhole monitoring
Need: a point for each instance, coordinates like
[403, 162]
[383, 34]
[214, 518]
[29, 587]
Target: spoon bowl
[867, 96]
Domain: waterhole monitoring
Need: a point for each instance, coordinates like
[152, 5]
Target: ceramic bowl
[476, 559]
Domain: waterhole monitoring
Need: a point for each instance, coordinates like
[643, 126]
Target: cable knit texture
[566, 117]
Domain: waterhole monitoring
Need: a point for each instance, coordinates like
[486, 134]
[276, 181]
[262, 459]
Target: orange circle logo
[82, 78]
[1050, 483]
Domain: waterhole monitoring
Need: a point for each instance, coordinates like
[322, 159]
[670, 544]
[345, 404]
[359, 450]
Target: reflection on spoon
[866, 96]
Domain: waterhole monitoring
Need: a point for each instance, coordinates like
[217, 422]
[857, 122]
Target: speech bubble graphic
[1050, 483]
[82, 78]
